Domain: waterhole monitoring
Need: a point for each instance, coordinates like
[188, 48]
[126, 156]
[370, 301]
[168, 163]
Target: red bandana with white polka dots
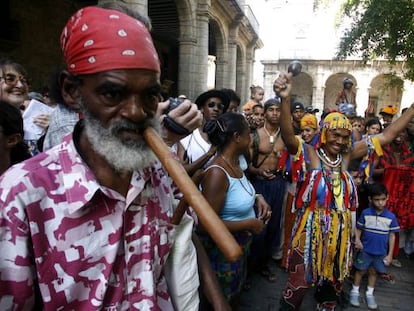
[96, 39]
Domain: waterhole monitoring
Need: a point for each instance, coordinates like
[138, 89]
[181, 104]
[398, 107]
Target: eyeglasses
[219, 106]
[11, 79]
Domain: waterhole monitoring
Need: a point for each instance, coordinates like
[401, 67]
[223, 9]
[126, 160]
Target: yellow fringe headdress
[335, 120]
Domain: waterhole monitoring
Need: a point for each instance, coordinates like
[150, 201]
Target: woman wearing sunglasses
[14, 90]
[195, 150]
[13, 83]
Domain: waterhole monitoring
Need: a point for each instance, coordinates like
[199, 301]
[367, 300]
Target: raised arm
[283, 86]
[388, 135]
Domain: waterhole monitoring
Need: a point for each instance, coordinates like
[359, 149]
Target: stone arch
[302, 89]
[385, 89]
[186, 16]
[333, 85]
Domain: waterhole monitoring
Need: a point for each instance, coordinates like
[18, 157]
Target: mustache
[131, 126]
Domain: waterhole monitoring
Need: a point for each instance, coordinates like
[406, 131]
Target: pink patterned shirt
[72, 244]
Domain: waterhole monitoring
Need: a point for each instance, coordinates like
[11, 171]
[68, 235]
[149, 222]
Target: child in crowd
[357, 174]
[358, 124]
[374, 242]
[256, 97]
[373, 126]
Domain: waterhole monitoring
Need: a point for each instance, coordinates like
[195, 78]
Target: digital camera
[174, 103]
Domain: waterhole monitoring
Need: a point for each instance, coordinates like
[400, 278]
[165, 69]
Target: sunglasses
[219, 106]
[11, 79]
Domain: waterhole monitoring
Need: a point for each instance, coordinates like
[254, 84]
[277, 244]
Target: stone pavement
[264, 296]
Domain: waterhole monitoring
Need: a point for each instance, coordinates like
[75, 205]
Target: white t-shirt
[195, 146]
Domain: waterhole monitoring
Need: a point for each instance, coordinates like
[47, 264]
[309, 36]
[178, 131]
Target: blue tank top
[240, 198]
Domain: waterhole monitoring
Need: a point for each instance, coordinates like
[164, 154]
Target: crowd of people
[86, 206]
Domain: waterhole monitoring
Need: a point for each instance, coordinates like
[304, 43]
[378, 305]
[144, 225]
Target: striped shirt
[376, 229]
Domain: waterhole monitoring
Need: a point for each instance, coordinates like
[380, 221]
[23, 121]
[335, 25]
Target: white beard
[123, 156]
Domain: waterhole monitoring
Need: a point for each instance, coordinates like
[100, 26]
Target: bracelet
[257, 195]
[175, 127]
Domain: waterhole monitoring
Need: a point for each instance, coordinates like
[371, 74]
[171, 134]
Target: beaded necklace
[324, 158]
[334, 183]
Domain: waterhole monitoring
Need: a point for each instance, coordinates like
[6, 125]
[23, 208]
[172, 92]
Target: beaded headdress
[335, 120]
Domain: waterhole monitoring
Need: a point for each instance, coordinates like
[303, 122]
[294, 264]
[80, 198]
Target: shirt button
[131, 249]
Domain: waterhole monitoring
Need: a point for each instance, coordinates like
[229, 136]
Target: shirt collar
[80, 181]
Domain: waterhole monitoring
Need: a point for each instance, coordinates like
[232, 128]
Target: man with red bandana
[87, 224]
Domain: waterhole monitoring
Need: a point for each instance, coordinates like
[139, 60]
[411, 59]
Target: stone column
[362, 100]
[362, 92]
[318, 91]
[407, 95]
[222, 68]
[231, 70]
[270, 73]
[211, 76]
[201, 60]
[137, 5]
[187, 75]
[232, 65]
[241, 79]
[245, 94]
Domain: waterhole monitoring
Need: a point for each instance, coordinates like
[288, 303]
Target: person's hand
[358, 245]
[387, 260]
[264, 211]
[283, 85]
[256, 226]
[42, 120]
[267, 174]
[186, 114]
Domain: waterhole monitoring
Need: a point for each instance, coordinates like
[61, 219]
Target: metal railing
[250, 16]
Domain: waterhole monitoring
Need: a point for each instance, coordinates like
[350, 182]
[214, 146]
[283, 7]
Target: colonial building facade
[320, 82]
[187, 33]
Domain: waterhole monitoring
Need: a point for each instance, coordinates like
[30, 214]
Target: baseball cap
[391, 110]
[310, 109]
[297, 106]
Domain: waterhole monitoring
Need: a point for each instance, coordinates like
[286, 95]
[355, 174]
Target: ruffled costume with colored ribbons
[325, 220]
[320, 250]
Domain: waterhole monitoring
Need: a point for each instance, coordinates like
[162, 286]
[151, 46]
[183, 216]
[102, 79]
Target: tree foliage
[380, 28]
